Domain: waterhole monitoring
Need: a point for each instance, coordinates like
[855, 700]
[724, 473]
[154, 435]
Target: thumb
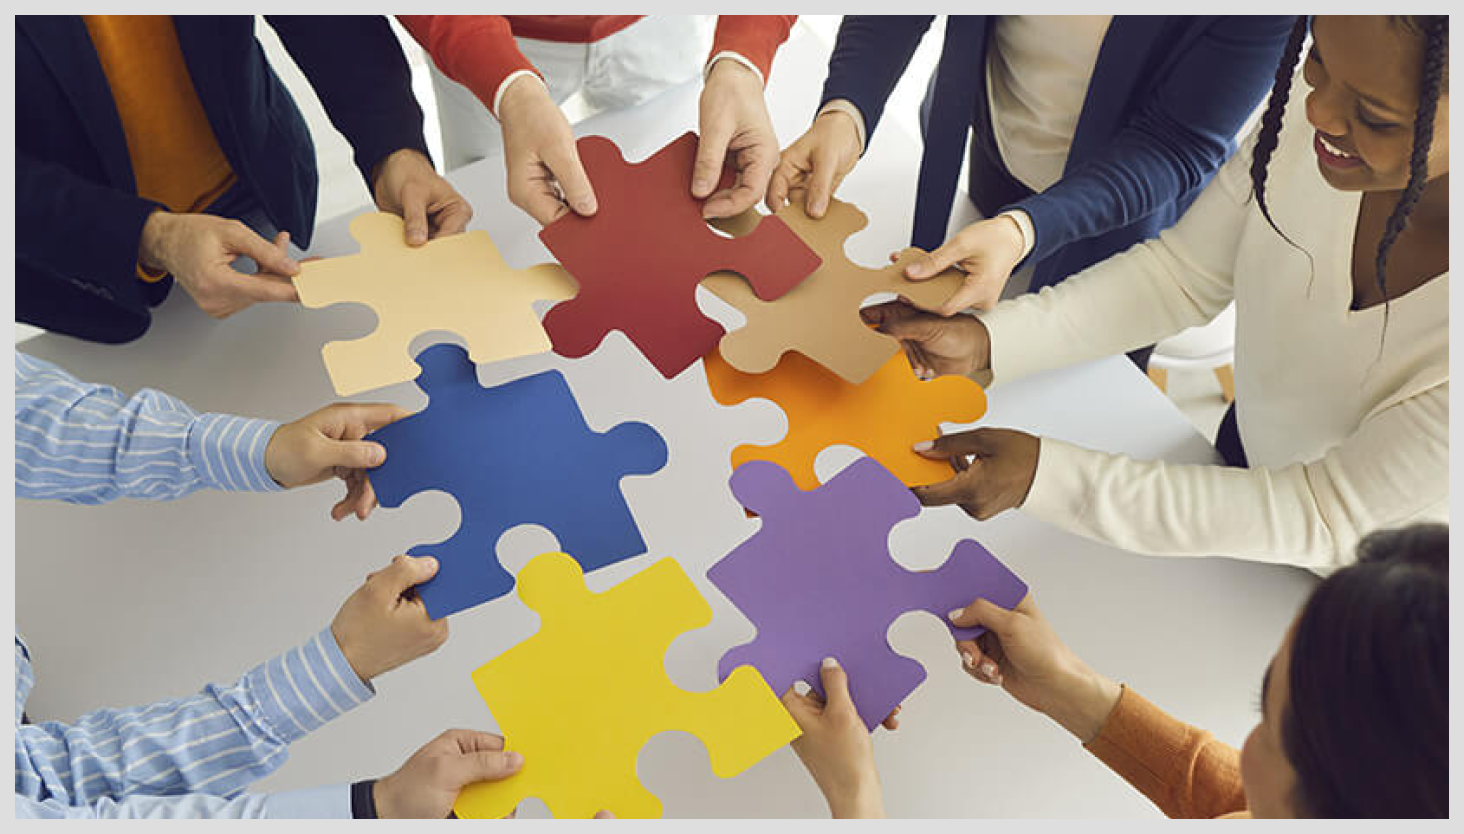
[948, 446]
[242, 240]
[488, 766]
[353, 454]
[414, 213]
[983, 613]
[711, 155]
[405, 572]
[836, 685]
[375, 415]
[930, 264]
[564, 162]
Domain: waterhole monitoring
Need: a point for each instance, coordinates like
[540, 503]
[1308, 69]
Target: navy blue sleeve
[870, 54]
[1178, 138]
[356, 66]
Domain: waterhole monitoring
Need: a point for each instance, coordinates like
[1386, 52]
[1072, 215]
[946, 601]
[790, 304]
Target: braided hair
[1435, 31]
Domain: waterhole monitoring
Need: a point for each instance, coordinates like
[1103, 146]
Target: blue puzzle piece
[517, 453]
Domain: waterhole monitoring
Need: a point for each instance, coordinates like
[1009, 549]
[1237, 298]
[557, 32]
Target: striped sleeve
[333, 802]
[88, 444]
[216, 742]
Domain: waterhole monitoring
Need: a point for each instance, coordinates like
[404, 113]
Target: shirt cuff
[733, 56]
[1024, 224]
[1054, 496]
[305, 687]
[228, 452]
[503, 88]
[332, 802]
[844, 105]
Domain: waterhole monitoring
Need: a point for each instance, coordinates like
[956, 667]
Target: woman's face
[1366, 74]
[1269, 779]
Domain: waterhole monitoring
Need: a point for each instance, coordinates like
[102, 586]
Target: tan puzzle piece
[458, 283]
[819, 318]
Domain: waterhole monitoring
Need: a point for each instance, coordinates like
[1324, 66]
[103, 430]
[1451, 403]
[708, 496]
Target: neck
[1432, 210]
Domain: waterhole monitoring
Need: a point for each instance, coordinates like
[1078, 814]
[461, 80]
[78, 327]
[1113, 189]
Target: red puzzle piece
[639, 258]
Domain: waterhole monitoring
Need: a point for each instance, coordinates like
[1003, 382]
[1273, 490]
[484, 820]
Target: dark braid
[1271, 122]
[1435, 30]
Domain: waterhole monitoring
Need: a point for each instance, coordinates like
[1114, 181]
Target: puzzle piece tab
[819, 318]
[517, 453]
[582, 696]
[882, 417]
[639, 259]
[458, 283]
[818, 581]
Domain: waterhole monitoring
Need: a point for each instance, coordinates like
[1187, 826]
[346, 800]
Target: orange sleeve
[1182, 769]
[754, 37]
[476, 51]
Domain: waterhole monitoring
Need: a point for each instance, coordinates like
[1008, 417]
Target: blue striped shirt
[189, 756]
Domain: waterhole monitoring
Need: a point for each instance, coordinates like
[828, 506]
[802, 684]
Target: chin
[1357, 179]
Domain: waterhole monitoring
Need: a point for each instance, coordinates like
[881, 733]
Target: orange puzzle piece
[882, 417]
[819, 318]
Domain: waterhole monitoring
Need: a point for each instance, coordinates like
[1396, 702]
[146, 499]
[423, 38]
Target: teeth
[1334, 150]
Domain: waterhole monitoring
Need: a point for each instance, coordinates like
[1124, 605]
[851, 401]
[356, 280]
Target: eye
[1375, 124]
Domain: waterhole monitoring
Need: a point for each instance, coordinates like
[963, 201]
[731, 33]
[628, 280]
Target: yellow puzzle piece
[582, 696]
[458, 283]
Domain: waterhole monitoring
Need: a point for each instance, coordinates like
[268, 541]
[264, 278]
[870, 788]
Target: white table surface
[133, 602]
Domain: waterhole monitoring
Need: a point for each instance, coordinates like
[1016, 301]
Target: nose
[1325, 113]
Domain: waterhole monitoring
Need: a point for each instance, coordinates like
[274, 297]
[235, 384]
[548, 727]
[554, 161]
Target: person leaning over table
[160, 149]
[195, 756]
[1330, 233]
[1354, 706]
[1088, 133]
[545, 176]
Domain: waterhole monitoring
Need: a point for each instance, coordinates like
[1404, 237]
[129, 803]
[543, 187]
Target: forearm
[216, 742]
[332, 802]
[869, 56]
[476, 51]
[89, 444]
[755, 38]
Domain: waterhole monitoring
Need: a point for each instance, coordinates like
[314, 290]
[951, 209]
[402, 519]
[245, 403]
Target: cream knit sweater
[1341, 440]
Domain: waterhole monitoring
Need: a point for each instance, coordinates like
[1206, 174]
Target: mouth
[1333, 156]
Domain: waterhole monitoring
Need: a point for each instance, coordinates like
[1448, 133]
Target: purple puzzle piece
[817, 580]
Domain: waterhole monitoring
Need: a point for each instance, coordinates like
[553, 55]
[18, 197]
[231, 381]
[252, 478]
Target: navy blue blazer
[1168, 95]
[78, 219]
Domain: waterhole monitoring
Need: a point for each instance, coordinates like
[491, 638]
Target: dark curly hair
[1435, 32]
[1366, 726]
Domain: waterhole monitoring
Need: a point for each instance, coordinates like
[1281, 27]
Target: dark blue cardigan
[1168, 95]
[78, 219]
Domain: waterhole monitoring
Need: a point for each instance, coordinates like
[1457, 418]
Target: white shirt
[1342, 440]
[1037, 73]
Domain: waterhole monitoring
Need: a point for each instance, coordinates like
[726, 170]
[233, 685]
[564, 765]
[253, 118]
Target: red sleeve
[754, 37]
[476, 51]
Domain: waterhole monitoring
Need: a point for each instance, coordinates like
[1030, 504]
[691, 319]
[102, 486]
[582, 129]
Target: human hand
[545, 176]
[935, 346]
[1023, 655]
[199, 250]
[328, 443]
[987, 252]
[836, 747]
[994, 470]
[817, 162]
[406, 184]
[736, 129]
[428, 783]
[381, 626]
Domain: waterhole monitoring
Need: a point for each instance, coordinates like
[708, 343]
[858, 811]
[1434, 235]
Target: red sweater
[478, 51]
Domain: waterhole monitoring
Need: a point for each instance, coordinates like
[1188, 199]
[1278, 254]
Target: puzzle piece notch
[640, 257]
[517, 453]
[458, 283]
[837, 589]
[819, 318]
[882, 417]
[582, 696]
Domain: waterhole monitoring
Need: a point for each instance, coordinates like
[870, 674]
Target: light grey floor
[1196, 393]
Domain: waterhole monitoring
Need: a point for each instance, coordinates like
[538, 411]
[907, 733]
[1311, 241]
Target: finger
[803, 709]
[752, 184]
[406, 572]
[263, 287]
[953, 491]
[711, 155]
[821, 185]
[604, 815]
[969, 294]
[488, 766]
[450, 219]
[242, 240]
[929, 264]
[366, 500]
[414, 213]
[977, 663]
[778, 186]
[892, 721]
[371, 416]
[835, 684]
[544, 204]
[565, 164]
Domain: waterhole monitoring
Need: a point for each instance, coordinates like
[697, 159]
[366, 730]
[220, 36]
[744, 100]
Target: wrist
[350, 652]
[1085, 704]
[865, 802]
[152, 247]
[398, 157]
[521, 93]
[733, 70]
[381, 798]
[981, 356]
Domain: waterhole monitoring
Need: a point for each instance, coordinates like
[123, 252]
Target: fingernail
[923, 446]
[378, 455]
[699, 184]
[989, 670]
[584, 206]
[956, 614]
[830, 663]
[514, 758]
[967, 661]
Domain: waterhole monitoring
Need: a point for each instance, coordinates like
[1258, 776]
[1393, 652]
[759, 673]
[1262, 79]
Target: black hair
[1366, 726]
[1435, 32]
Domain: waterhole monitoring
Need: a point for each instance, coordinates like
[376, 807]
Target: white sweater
[1341, 441]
